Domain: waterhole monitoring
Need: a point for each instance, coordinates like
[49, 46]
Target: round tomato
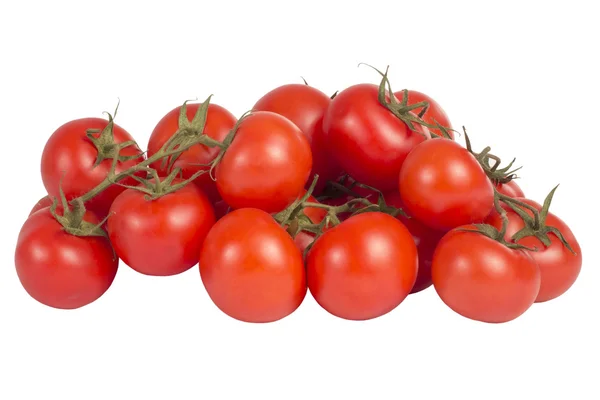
[434, 115]
[61, 270]
[443, 185]
[251, 267]
[426, 240]
[69, 157]
[558, 266]
[218, 123]
[266, 165]
[44, 202]
[305, 106]
[364, 267]
[482, 279]
[368, 141]
[161, 236]
[510, 189]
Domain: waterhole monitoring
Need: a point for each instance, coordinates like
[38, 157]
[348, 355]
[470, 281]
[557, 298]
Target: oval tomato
[61, 270]
[443, 185]
[68, 160]
[44, 202]
[426, 240]
[368, 141]
[481, 279]
[364, 267]
[434, 115]
[163, 236]
[559, 267]
[266, 165]
[305, 106]
[219, 122]
[251, 267]
[510, 189]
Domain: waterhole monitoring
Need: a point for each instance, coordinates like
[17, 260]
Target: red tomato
[368, 141]
[61, 270]
[266, 165]
[510, 189]
[482, 279]
[219, 122]
[251, 267]
[558, 266]
[364, 267]
[426, 240]
[44, 202]
[163, 236]
[69, 156]
[305, 106]
[443, 185]
[434, 115]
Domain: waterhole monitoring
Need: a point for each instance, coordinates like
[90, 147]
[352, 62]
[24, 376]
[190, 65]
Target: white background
[523, 78]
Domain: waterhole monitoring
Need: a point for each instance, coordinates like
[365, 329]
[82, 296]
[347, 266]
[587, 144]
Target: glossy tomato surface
[368, 141]
[61, 270]
[481, 279]
[219, 122]
[251, 267]
[305, 106]
[68, 160]
[364, 267]
[558, 266]
[511, 189]
[434, 115]
[443, 186]
[162, 236]
[267, 164]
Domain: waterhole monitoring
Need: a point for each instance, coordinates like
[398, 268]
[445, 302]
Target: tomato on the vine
[316, 215]
[434, 115]
[511, 189]
[443, 185]
[267, 164]
[162, 236]
[69, 161]
[364, 267]
[369, 142]
[44, 202]
[305, 106]
[219, 122]
[251, 267]
[482, 279]
[426, 240]
[61, 270]
[559, 267]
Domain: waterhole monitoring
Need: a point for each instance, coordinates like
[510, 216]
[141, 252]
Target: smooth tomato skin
[161, 237]
[368, 141]
[219, 122]
[61, 270]
[426, 240]
[44, 202]
[251, 267]
[559, 267]
[364, 267]
[435, 113]
[511, 189]
[68, 160]
[482, 279]
[305, 106]
[443, 186]
[267, 164]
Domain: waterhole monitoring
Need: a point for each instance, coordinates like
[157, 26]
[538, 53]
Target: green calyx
[105, 144]
[72, 218]
[491, 164]
[535, 224]
[155, 188]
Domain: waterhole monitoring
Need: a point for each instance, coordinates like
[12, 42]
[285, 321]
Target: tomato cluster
[361, 198]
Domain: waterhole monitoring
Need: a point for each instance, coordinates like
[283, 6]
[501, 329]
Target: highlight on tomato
[251, 267]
